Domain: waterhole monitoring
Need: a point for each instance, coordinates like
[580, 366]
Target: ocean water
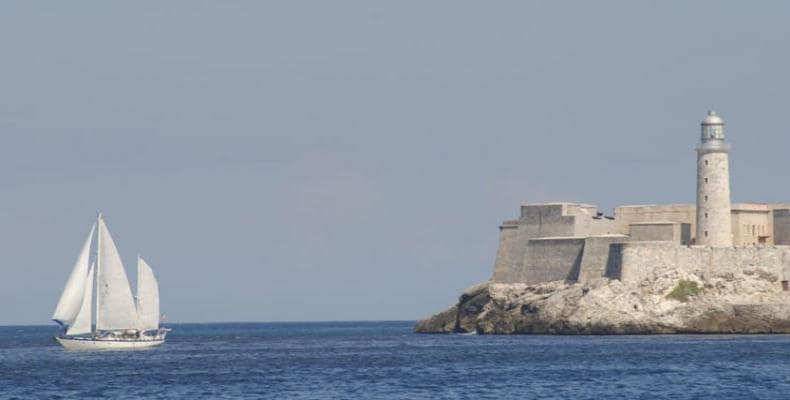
[385, 360]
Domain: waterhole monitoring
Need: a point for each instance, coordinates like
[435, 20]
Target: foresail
[73, 293]
[115, 308]
[82, 324]
[147, 296]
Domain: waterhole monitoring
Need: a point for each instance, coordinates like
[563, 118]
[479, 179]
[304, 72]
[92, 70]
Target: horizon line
[245, 322]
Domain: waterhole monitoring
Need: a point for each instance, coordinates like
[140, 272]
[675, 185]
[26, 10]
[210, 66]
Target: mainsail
[115, 309]
[71, 299]
[82, 323]
[147, 296]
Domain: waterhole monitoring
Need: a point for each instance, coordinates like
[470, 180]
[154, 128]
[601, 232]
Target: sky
[352, 160]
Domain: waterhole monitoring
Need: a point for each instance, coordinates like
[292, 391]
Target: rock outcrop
[751, 300]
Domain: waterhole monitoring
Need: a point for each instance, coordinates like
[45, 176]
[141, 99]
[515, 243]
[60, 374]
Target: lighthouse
[714, 220]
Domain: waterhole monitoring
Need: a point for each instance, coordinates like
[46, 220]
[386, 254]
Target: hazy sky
[295, 160]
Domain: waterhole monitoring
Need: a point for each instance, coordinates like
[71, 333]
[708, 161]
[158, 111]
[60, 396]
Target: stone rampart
[510, 251]
[646, 260]
[551, 259]
[598, 255]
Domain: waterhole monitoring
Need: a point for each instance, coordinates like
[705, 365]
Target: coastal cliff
[672, 300]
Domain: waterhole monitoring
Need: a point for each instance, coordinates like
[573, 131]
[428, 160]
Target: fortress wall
[598, 253]
[564, 226]
[582, 225]
[547, 220]
[551, 259]
[601, 226]
[781, 222]
[627, 215]
[675, 232]
[508, 251]
[653, 232]
[642, 260]
[685, 233]
[784, 212]
[614, 264]
[536, 221]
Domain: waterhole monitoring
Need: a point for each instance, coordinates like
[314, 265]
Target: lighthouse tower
[714, 221]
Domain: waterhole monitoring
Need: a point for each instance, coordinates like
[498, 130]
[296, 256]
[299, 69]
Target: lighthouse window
[706, 198]
[706, 215]
[706, 233]
[706, 162]
[706, 180]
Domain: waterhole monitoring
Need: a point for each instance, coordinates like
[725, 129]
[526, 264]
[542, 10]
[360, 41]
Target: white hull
[107, 344]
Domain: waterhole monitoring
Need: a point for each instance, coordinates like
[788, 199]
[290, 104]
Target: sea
[386, 360]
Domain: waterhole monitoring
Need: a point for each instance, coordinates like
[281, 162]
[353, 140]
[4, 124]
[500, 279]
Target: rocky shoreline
[747, 301]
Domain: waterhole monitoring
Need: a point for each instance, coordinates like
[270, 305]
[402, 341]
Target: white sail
[82, 323]
[147, 296]
[71, 298]
[115, 309]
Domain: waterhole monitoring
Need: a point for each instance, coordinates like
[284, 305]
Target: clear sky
[317, 160]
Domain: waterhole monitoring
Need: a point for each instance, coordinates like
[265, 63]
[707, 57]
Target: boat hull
[107, 344]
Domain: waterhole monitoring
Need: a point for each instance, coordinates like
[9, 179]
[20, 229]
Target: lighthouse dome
[712, 119]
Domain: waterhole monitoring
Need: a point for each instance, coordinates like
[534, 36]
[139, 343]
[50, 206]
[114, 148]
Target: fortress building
[575, 242]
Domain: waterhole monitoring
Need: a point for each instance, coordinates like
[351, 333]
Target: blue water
[385, 360]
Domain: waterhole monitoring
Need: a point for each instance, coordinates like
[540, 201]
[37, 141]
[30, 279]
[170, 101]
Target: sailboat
[116, 319]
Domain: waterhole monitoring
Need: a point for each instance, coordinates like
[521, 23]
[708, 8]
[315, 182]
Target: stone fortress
[576, 243]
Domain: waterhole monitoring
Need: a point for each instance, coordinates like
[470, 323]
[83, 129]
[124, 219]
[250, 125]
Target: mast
[116, 306]
[98, 270]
